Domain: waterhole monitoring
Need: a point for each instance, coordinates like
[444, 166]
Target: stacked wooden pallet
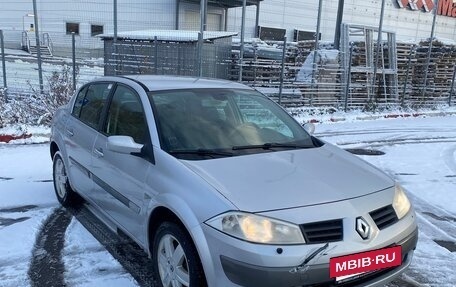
[434, 85]
[364, 86]
[257, 72]
[406, 62]
[327, 88]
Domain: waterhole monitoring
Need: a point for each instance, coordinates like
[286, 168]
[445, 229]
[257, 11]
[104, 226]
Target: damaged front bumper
[309, 274]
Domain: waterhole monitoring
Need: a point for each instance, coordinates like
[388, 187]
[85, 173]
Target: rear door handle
[70, 132]
[98, 152]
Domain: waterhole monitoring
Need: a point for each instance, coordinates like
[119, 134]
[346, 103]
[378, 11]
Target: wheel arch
[161, 214]
[53, 148]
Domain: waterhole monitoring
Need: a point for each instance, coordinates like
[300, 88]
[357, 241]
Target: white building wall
[161, 14]
[302, 14]
[53, 15]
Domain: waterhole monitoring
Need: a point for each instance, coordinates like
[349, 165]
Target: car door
[120, 178]
[81, 132]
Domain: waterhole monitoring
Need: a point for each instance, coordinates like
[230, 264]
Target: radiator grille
[384, 216]
[323, 231]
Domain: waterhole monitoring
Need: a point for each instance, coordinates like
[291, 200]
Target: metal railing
[46, 41]
[25, 41]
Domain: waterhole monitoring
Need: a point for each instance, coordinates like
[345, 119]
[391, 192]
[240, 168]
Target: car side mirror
[123, 144]
[309, 127]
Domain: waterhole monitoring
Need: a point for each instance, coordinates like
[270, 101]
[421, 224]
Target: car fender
[182, 210]
[59, 124]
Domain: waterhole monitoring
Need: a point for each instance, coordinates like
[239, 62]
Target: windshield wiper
[202, 152]
[271, 145]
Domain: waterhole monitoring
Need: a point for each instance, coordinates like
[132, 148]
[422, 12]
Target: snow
[305, 73]
[255, 47]
[22, 75]
[420, 153]
[445, 41]
[25, 179]
[16, 52]
[331, 115]
[324, 57]
[275, 91]
[27, 168]
[170, 35]
[402, 140]
[88, 263]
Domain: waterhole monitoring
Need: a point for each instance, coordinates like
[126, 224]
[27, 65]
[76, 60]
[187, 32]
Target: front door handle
[70, 132]
[98, 152]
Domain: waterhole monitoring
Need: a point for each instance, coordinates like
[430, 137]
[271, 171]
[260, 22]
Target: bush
[37, 107]
[59, 92]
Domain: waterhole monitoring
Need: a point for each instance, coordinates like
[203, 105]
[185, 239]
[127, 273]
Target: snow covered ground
[420, 153]
[22, 70]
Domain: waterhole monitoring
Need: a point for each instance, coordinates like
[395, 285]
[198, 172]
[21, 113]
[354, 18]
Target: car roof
[161, 83]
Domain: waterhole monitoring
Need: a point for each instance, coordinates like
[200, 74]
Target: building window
[96, 30]
[72, 28]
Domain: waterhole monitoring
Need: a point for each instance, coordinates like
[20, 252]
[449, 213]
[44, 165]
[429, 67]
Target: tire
[65, 195]
[185, 270]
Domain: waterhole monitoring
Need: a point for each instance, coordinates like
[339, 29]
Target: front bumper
[249, 275]
[233, 262]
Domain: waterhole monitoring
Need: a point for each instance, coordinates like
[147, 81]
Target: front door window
[126, 116]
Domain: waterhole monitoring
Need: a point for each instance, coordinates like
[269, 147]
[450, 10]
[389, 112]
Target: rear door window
[92, 105]
[79, 102]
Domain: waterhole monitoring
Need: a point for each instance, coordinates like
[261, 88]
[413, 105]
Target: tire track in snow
[438, 219]
[380, 130]
[449, 157]
[46, 267]
[132, 258]
[397, 141]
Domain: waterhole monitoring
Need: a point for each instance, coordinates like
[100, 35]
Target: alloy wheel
[172, 263]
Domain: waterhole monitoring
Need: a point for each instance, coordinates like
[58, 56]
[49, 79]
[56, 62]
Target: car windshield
[213, 123]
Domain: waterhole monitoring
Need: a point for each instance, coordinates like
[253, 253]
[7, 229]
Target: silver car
[222, 187]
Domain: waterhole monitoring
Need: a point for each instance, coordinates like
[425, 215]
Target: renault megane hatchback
[222, 187]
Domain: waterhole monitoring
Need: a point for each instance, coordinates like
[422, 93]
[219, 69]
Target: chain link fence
[362, 73]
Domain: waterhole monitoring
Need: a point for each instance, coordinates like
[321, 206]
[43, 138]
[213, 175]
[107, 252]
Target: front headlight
[257, 229]
[401, 203]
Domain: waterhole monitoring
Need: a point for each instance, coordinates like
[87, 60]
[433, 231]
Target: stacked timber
[320, 88]
[437, 81]
[406, 62]
[303, 85]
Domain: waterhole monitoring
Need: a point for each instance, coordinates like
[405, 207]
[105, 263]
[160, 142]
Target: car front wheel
[176, 261]
[65, 195]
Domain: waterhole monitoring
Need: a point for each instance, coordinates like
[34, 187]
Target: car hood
[292, 178]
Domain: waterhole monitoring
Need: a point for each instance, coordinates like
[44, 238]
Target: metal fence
[369, 68]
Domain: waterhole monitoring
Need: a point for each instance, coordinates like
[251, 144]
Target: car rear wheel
[65, 195]
[176, 261]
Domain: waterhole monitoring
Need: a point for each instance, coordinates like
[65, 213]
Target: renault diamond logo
[363, 228]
